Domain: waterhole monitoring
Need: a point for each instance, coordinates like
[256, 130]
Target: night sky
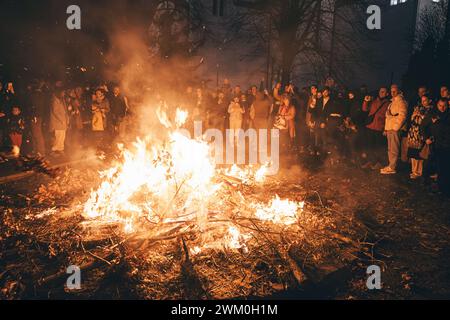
[36, 43]
[34, 36]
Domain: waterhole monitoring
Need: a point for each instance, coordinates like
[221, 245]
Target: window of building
[395, 2]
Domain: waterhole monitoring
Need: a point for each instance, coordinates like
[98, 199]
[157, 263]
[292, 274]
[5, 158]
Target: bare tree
[303, 32]
[176, 28]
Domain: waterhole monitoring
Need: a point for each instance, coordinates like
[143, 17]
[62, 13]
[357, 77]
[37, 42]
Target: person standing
[395, 118]
[10, 97]
[38, 103]
[277, 98]
[325, 119]
[119, 109]
[440, 140]
[75, 130]
[416, 136]
[246, 124]
[59, 120]
[277, 93]
[226, 89]
[301, 107]
[376, 119]
[260, 111]
[100, 108]
[352, 126]
[251, 96]
[421, 91]
[287, 132]
[310, 116]
[444, 92]
[216, 111]
[15, 127]
[237, 92]
[334, 114]
[222, 111]
[236, 116]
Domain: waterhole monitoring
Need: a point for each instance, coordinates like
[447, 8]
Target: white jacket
[236, 111]
[396, 114]
[59, 118]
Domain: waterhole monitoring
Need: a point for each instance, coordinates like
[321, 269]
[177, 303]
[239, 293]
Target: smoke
[148, 78]
[119, 42]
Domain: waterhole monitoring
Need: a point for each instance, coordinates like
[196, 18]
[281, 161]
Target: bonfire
[156, 185]
[168, 222]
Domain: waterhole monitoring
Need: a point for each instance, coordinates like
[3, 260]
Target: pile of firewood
[171, 260]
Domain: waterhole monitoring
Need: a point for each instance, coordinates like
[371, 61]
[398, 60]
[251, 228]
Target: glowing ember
[196, 250]
[260, 175]
[248, 174]
[236, 240]
[279, 211]
[128, 226]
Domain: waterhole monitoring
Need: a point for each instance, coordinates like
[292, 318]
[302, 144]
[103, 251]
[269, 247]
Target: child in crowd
[15, 125]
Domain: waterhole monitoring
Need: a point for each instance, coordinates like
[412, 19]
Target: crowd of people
[52, 119]
[378, 131]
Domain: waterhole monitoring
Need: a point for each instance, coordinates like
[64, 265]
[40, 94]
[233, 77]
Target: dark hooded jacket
[439, 131]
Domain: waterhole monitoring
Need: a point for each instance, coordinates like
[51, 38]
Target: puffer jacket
[396, 114]
[59, 117]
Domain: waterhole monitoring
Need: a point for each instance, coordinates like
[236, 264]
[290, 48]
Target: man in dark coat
[328, 116]
[37, 113]
[440, 138]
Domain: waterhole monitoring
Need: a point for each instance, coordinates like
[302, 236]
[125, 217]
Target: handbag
[280, 122]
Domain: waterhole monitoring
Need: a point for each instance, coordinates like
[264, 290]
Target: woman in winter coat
[236, 112]
[416, 136]
[287, 111]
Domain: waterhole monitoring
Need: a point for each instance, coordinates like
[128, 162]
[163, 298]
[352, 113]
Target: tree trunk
[288, 53]
[286, 68]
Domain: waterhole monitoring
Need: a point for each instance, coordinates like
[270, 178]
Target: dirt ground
[401, 226]
[408, 229]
